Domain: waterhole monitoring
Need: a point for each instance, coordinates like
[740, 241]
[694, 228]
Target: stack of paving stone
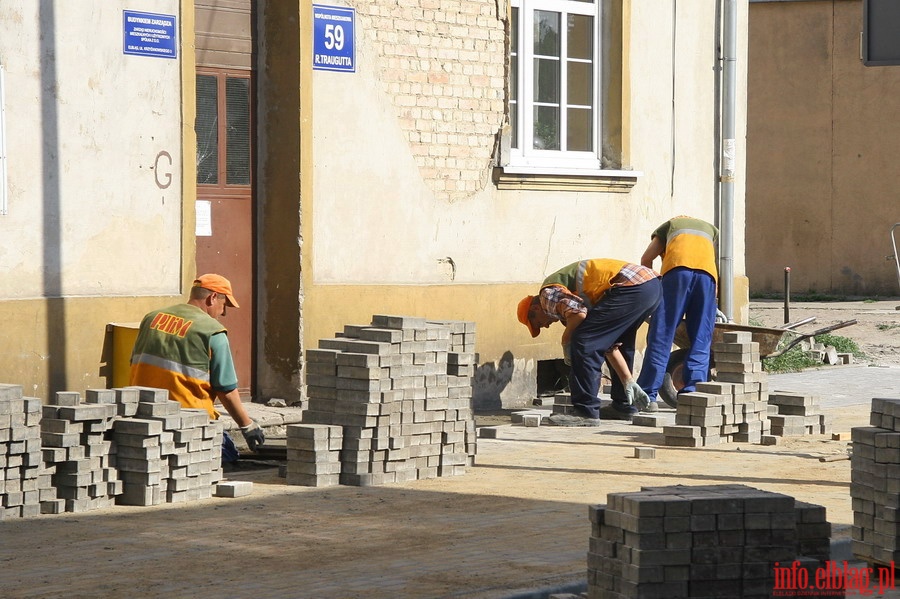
[875, 484]
[797, 415]
[703, 541]
[730, 409]
[22, 478]
[461, 363]
[562, 404]
[166, 453]
[401, 390]
[737, 406]
[77, 451]
[718, 412]
[314, 454]
[813, 531]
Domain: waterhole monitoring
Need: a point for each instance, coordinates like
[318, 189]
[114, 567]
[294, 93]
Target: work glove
[253, 435]
[567, 354]
[636, 396]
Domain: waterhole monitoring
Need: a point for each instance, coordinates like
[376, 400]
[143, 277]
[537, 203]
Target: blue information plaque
[149, 34]
[334, 47]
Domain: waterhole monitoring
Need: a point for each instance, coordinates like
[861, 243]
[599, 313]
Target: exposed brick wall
[443, 63]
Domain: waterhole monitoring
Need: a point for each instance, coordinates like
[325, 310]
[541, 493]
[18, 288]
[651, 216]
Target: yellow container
[124, 335]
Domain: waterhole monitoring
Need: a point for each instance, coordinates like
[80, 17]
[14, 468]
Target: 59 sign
[334, 30]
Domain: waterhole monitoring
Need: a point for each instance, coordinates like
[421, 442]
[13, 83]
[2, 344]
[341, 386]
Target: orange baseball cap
[522, 313]
[219, 284]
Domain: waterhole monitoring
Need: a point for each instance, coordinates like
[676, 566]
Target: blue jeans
[690, 294]
[615, 319]
[230, 452]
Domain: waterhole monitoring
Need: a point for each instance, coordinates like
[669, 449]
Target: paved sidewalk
[516, 522]
[841, 385]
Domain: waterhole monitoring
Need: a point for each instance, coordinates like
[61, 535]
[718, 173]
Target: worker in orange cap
[184, 349]
[601, 303]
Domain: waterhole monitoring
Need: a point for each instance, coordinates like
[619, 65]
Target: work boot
[571, 420]
[611, 413]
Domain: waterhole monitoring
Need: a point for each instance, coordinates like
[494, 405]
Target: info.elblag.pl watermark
[839, 579]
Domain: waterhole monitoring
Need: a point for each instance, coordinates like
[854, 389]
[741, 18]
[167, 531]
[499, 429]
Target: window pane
[546, 80]
[546, 33]
[581, 37]
[237, 113]
[514, 31]
[546, 127]
[579, 137]
[207, 129]
[513, 122]
[580, 82]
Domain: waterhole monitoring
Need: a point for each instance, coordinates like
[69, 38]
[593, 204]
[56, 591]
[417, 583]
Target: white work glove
[253, 435]
[567, 354]
[636, 396]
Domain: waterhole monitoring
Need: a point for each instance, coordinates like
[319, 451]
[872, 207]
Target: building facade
[821, 195]
[432, 158]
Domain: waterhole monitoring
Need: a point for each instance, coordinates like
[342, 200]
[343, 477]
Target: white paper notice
[204, 218]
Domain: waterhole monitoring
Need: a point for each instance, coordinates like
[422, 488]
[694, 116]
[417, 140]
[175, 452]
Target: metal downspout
[726, 212]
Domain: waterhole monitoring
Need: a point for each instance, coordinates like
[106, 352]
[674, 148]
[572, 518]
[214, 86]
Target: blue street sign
[334, 47]
[149, 34]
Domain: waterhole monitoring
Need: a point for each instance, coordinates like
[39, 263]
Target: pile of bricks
[701, 541]
[562, 404]
[875, 484]
[798, 415]
[21, 470]
[166, 453]
[401, 389]
[738, 407]
[77, 452]
[813, 531]
[719, 412]
[114, 446]
[314, 455]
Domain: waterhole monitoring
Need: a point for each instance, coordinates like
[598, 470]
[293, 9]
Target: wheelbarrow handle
[793, 325]
[834, 327]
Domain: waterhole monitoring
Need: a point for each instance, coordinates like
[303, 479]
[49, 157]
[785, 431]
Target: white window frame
[525, 158]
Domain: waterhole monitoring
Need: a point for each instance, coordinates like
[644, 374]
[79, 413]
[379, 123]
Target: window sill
[563, 179]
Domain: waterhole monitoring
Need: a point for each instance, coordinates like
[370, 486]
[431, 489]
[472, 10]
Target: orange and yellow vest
[172, 352]
[690, 242]
[588, 279]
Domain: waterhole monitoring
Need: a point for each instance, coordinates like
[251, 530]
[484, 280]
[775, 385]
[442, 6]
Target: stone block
[235, 488]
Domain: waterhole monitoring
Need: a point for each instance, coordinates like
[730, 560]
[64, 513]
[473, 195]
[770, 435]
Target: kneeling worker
[602, 303]
[184, 349]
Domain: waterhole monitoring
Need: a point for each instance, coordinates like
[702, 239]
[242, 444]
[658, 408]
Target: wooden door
[225, 242]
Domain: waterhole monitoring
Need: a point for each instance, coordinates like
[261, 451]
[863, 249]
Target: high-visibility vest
[172, 352]
[588, 279]
[690, 242]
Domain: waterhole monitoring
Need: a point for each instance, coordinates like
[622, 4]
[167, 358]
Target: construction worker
[689, 275]
[601, 302]
[184, 349]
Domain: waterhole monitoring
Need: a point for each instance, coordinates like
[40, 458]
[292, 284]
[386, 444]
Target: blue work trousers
[690, 294]
[615, 319]
[230, 453]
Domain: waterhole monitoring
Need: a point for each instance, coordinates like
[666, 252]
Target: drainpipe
[726, 211]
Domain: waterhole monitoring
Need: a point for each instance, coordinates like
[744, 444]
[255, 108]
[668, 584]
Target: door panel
[225, 180]
[229, 252]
